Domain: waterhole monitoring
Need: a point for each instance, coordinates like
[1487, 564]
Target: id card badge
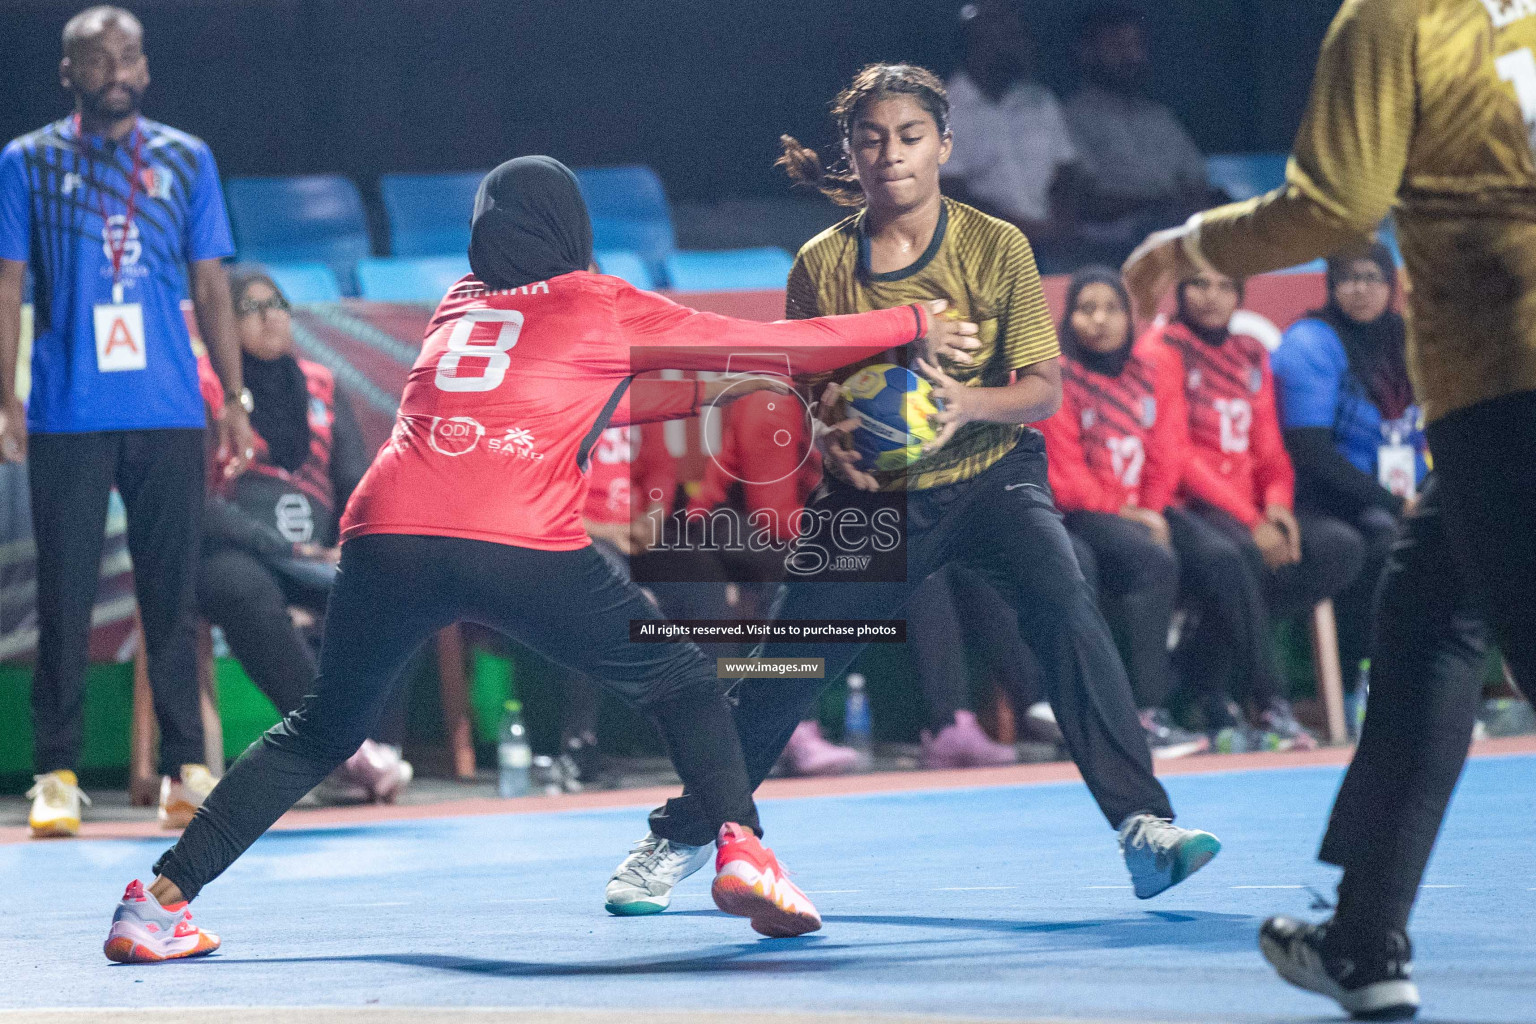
[1397, 469]
[120, 337]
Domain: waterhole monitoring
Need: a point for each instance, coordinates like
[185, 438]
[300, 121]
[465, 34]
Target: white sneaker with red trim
[750, 883]
[144, 932]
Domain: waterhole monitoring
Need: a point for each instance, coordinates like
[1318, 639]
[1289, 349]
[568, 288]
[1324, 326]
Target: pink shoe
[964, 745]
[810, 753]
[375, 774]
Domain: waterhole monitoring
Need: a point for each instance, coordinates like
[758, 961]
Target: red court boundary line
[881, 782]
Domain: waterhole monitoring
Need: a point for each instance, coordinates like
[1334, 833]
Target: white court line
[357, 906]
[827, 892]
[1106, 887]
[1442, 887]
[1269, 887]
[539, 899]
[977, 888]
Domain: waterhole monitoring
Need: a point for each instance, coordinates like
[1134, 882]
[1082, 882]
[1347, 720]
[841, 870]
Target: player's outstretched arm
[1345, 168]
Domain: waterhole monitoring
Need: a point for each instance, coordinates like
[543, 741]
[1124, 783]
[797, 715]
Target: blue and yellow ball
[893, 406]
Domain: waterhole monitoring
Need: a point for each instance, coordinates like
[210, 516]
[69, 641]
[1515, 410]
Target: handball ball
[892, 405]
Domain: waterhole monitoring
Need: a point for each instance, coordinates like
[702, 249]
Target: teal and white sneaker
[1160, 855]
[643, 882]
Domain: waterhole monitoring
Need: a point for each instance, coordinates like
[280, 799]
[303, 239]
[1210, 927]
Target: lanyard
[117, 242]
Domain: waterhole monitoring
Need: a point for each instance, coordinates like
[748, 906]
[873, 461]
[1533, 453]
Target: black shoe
[1372, 981]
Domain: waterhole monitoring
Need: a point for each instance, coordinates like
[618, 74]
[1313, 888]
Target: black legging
[396, 591]
[1003, 525]
[246, 599]
[1378, 528]
[1138, 589]
[1235, 594]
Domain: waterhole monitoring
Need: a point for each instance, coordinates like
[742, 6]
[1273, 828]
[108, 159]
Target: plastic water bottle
[856, 726]
[513, 755]
[1354, 701]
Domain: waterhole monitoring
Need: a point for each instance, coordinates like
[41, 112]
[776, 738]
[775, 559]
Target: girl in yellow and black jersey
[978, 496]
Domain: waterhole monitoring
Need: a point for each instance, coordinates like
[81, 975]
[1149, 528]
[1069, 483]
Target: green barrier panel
[491, 685]
[108, 715]
[245, 711]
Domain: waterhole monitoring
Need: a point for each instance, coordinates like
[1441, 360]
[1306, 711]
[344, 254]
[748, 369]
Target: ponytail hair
[875, 82]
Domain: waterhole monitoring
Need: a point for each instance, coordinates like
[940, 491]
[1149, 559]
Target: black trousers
[1237, 595]
[1003, 526]
[1139, 588]
[1354, 605]
[957, 623]
[245, 598]
[396, 591]
[1467, 553]
[159, 474]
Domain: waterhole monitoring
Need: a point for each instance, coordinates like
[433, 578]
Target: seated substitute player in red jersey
[1238, 489]
[472, 512]
[1117, 448]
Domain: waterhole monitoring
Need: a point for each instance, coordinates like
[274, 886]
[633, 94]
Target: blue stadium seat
[728, 270]
[429, 213]
[296, 220]
[629, 211]
[303, 283]
[628, 265]
[1245, 175]
[406, 279]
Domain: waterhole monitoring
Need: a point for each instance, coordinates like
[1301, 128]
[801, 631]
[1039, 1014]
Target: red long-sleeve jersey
[1237, 460]
[764, 445]
[631, 470]
[513, 387]
[1119, 440]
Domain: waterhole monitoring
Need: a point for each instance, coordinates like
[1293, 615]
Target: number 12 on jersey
[493, 348]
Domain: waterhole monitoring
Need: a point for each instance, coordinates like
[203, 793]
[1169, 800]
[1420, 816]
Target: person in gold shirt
[978, 496]
[1423, 108]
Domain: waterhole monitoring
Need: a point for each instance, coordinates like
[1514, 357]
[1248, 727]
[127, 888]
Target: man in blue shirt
[114, 213]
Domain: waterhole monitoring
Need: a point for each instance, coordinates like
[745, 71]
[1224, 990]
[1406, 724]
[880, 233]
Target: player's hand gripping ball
[893, 407]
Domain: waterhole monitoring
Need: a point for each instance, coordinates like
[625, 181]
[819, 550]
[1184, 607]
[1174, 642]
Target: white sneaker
[144, 932]
[1160, 855]
[56, 800]
[180, 798]
[643, 882]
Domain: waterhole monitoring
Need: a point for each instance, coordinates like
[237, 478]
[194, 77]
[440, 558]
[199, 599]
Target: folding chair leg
[143, 778]
[1325, 666]
[208, 703]
[453, 689]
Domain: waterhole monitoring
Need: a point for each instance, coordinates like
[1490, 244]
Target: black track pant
[1138, 588]
[1469, 549]
[159, 474]
[1003, 526]
[1236, 595]
[396, 591]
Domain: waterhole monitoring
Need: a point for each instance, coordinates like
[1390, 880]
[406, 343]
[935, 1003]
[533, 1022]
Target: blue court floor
[994, 903]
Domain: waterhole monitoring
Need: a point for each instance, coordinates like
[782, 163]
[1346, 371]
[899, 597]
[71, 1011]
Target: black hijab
[280, 416]
[530, 224]
[1376, 350]
[1108, 363]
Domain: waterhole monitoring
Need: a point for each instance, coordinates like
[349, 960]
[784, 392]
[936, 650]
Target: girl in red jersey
[472, 512]
[1238, 488]
[1117, 452]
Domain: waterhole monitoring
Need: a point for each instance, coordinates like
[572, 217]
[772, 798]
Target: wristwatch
[247, 400]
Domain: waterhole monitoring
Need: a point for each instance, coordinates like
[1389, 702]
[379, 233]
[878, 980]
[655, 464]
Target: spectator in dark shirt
[1354, 433]
[1146, 172]
[270, 536]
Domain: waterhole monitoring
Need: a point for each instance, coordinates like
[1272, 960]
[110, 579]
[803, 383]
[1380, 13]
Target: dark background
[699, 90]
